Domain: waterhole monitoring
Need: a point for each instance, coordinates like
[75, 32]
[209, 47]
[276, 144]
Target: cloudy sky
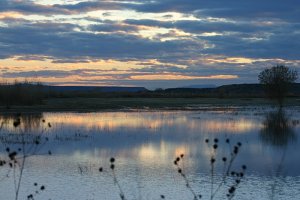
[151, 43]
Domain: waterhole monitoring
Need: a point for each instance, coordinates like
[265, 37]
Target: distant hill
[200, 86]
[234, 90]
[33, 94]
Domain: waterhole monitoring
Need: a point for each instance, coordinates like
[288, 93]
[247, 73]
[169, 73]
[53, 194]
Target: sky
[148, 43]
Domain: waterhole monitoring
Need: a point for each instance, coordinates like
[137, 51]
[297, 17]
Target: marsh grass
[227, 172]
[112, 170]
[21, 93]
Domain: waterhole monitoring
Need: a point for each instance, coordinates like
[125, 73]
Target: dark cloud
[196, 26]
[40, 73]
[28, 7]
[113, 27]
[87, 6]
[254, 29]
[234, 9]
[6, 73]
[61, 42]
[226, 9]
[281, 45]
[246, 39]
[253, 10]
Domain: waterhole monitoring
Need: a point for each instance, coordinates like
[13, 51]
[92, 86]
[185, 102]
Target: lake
[145, 145]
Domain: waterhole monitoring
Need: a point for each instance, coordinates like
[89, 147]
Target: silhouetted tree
[277, 81]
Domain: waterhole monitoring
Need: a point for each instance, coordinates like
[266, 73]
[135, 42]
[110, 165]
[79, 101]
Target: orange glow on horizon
[97, 71]
[180, 77]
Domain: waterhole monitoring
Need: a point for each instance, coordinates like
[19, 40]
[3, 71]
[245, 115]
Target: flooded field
[69, 154]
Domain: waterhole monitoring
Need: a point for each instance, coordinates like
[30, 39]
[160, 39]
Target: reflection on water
[26, 125]
[277, 129]
[145, 144]
[29, 121]
[153, 121]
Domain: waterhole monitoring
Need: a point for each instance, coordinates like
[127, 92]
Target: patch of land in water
[117, 104]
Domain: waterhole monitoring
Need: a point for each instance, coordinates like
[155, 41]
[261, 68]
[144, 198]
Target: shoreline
[145, 104]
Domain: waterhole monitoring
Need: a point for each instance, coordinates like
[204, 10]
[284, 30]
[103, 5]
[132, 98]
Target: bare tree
[277, 81]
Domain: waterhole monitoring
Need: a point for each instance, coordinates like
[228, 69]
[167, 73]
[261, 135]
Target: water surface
[145, 144]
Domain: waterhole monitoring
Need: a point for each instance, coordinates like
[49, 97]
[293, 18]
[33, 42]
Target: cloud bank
[144, 42]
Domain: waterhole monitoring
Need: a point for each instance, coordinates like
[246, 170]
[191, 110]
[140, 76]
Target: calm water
[145, 145]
